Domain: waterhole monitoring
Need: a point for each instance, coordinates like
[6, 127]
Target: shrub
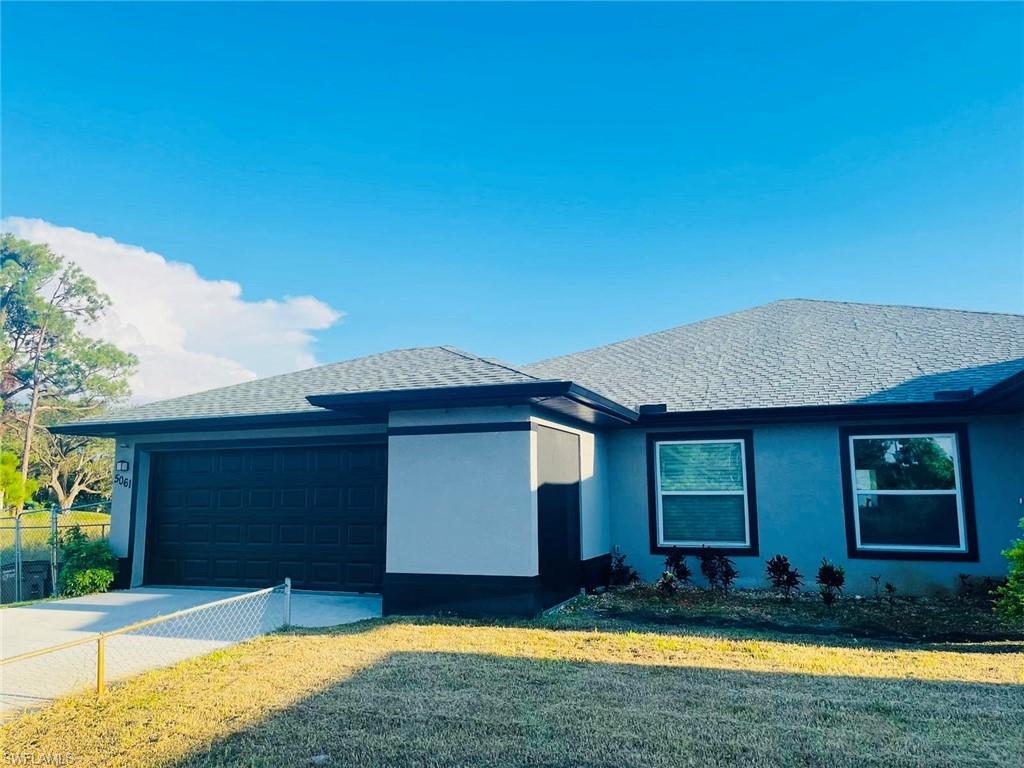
[1010, 596]
[709, 568]
[676, 564]
[87, 565]
[974, 590]
[831, 579]
[719, 570]
[86, 582]
[621, 574]
[890, 593]
[667, 584]
[727, 572]
[783, 576]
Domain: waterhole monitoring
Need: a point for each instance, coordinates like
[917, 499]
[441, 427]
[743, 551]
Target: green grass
[35, 531]
[554, 693]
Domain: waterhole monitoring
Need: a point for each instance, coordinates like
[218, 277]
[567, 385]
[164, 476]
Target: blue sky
[528, 180]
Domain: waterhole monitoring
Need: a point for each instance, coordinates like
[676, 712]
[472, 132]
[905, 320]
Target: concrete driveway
[33, 681]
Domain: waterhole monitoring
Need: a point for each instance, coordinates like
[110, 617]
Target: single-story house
[888, 439]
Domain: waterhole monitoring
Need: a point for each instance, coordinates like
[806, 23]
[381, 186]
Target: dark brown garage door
[249, 517]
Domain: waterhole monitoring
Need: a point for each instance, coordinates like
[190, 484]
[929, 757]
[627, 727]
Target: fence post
[101, 649]
[287, 602]
[17, 558]
[53, 549]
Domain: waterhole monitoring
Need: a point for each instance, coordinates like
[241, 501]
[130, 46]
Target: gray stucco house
[889, 439]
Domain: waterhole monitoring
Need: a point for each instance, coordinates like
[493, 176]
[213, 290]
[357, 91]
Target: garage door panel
[228, 498]
[259, 533]
[249, 517]
[291, 534]
[364, 574]
[197, 533]
[327, 535]
[261, 498]
[227, 533]
[261, 571]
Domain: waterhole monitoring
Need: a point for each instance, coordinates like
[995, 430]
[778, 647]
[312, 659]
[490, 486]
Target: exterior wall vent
[654, 408]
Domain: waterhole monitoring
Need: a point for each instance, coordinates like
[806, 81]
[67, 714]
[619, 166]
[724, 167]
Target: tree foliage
[51, 369]
[1010, 596]
[72, 465]
[14, 489]
[909, 463]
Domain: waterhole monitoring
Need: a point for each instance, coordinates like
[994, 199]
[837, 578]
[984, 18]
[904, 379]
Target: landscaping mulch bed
[903, 619]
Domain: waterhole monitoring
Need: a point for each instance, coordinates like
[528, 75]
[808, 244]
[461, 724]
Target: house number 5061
[123, 480]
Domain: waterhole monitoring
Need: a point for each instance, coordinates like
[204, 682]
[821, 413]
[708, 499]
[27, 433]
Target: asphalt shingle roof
[800, 352]
[397, 369]
[787, 353]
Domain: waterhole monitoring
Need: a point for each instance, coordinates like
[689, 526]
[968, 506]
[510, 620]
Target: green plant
[783, 576]
[86, 582]
[831, 580]
[1010, 596]
[620, 574]
[890, 593]
[719, 570]
[676, 564]
[876, 580]
[982, 590]
[667, 584]
[87, 565]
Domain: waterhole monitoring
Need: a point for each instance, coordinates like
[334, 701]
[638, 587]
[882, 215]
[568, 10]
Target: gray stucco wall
[800, 504]
[462, 504]
[467, 503]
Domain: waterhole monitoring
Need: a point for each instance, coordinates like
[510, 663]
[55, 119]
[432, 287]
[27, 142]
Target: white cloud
[189, 333]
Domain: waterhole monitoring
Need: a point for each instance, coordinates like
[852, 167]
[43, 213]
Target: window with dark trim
[701, 488]
[907, 492]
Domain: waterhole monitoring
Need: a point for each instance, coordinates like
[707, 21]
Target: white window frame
[957, 491]
[662, 541]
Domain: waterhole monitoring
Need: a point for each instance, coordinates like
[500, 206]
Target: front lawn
[417, 693]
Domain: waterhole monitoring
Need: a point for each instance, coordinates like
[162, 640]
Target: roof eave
[562, 396]
[1005, 396]
[208, 423]
[808, 413]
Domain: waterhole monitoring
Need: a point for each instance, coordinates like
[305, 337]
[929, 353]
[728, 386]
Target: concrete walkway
[34, 681]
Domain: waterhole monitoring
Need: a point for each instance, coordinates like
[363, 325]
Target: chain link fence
[36, 677]
[30, 547]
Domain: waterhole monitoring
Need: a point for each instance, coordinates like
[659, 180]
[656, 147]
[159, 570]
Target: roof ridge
[833, 302]
[889, 304]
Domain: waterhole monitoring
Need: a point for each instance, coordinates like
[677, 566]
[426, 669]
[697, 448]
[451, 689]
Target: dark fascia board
[209, 424]
[517, 393]
[807, 413]
[1008, 394]
[372, 407]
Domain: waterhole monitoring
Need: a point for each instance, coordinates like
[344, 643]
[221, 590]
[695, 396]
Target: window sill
[889, 554]
[665, 549]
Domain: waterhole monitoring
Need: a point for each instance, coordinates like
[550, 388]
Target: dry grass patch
[399, 693]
